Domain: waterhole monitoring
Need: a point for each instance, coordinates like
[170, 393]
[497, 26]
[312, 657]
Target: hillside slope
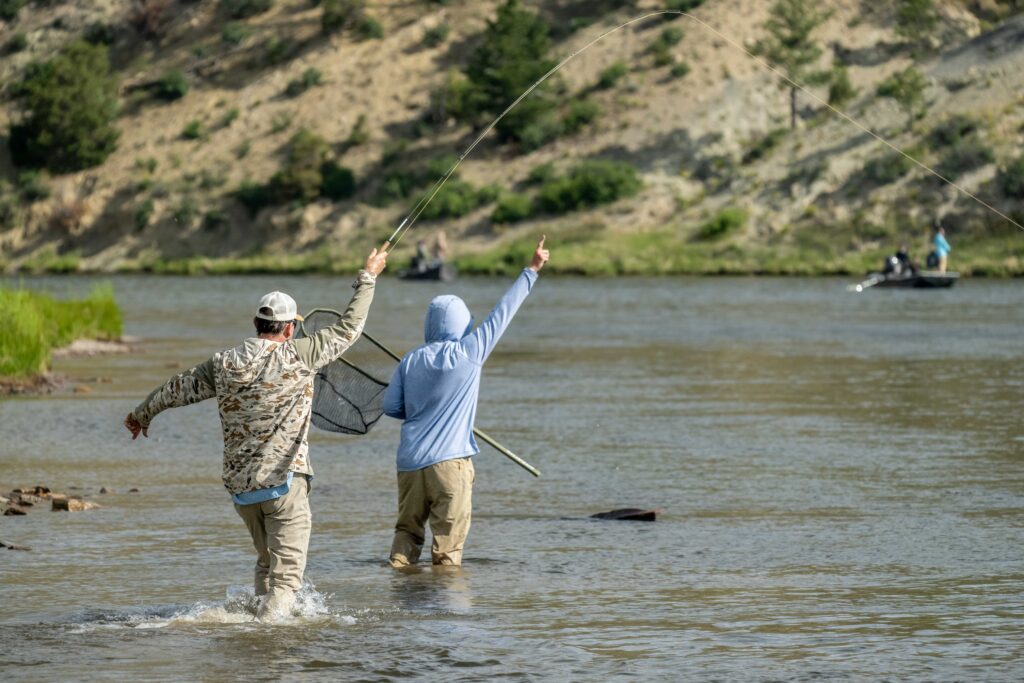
[706, 141]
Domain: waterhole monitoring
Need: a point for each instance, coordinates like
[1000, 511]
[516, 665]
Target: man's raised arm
[329, 343]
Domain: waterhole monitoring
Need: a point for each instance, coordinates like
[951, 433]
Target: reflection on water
[841, 479]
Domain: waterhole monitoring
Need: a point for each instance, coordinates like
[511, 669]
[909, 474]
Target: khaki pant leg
[252, 515]
[288, 520]
[412, 516]
[450, 488]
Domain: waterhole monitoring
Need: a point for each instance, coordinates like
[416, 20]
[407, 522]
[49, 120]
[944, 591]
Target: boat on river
[440, 272]
[922, 279]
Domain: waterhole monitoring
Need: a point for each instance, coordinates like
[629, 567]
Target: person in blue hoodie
[434, 392]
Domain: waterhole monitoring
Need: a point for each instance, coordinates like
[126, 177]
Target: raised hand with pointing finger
[540, 256]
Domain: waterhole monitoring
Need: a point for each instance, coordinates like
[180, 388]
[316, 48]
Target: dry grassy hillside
[726, 187]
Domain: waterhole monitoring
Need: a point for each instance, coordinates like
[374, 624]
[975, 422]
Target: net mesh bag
[348, 393]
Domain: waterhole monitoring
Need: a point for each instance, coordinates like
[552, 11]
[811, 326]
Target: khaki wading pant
[442, 494]
[280, 533]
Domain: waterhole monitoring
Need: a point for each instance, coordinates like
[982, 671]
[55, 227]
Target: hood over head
[448, 319]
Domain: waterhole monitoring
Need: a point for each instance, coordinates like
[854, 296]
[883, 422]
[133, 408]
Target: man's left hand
[135, 427]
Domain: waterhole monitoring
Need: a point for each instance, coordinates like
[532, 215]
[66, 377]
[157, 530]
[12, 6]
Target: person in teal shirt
[942, 247]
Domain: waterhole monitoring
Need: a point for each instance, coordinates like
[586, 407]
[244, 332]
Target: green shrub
[369, 28]
[338, 183]
[359, 134]
[17, 43]
[396, 185]
[589, 184]
[186, 213]
[32, 186]
[915, 19]
[302, 176]
[887, 168]
[68, 108]
[764, 146]
[234, 33]
[149, 164]
[679, 70]
[953, 130]
[229, 117]
[457, 198]
[541, 174]
[612, 75]
[280, 121]
[966, 155]
[840, 89]
[253, 196]
[721, 224]
[535, 134]
[512, 208]
[436, 35]
[1011, 179]
[662, 46]
[278, 49]
[143, 215]
[193, 130]
[681, 6]
[173, 85]
[99, 33]
[311, 78]
[580, 114]
[9, 9]
[239, 9]
[337, 14]
[907, 88]
[243, 148]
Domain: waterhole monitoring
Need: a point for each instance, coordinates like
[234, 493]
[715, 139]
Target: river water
[841, 479]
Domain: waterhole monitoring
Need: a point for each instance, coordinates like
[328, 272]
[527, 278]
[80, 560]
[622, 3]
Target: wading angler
[264, 392]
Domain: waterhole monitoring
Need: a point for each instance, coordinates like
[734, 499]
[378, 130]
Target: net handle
[486, 438]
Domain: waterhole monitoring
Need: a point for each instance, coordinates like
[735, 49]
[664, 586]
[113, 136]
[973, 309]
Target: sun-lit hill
[726, 186]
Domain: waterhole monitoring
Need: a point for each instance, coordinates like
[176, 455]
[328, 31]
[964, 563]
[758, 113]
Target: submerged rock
[629, 514]
[12, 546]
[65, 504]
[14, 510]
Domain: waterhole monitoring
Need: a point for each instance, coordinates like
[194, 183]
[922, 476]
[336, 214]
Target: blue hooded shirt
[434, 389]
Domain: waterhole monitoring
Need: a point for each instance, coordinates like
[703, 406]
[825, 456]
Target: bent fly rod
[410, 220]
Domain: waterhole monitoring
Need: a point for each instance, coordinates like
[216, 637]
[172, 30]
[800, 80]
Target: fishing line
[410, 220]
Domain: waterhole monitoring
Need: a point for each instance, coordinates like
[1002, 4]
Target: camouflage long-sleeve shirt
[264, 391]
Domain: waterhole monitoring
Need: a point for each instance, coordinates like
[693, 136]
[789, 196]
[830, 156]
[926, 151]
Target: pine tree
[789, 45]
[510, 59]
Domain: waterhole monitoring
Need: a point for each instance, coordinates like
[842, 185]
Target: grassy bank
[665, 253]
[38, 323]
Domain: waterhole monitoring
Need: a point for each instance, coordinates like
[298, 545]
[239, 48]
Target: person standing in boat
[941, 248]
[264, 390]
[434, 392]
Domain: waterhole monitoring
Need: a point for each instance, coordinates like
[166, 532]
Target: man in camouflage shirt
[264, 391]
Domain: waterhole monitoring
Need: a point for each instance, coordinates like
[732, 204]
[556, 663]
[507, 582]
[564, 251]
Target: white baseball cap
[279, 307]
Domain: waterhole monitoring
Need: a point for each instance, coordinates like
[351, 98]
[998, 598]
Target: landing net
[348, 393]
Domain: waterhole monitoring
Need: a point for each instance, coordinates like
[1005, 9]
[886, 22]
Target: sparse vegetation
[173, 85]
[888, 168]
[240, 9]
[310, 78]
[338, 14]
[953, 130]
[915, 19]
[1011, 179]
[907, 88]
[966, 155]
[840, 89]
[234, 33]
[436, 35]
[9, 9]
[541, 174]
[580, 114]
[229, 117]
[302, 175]
[679, 70]
[663, 44]
[369, 28]
[764, 145]
[337, 182]
[17, 43]
[193, 130]
[359, 135]
[610, 77]
[143, 215]
[458, 198]
[721, 224]
[682, 6]
[32, 186]
[68, 111]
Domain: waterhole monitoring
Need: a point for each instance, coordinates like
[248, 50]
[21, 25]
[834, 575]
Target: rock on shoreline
[48, 383]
